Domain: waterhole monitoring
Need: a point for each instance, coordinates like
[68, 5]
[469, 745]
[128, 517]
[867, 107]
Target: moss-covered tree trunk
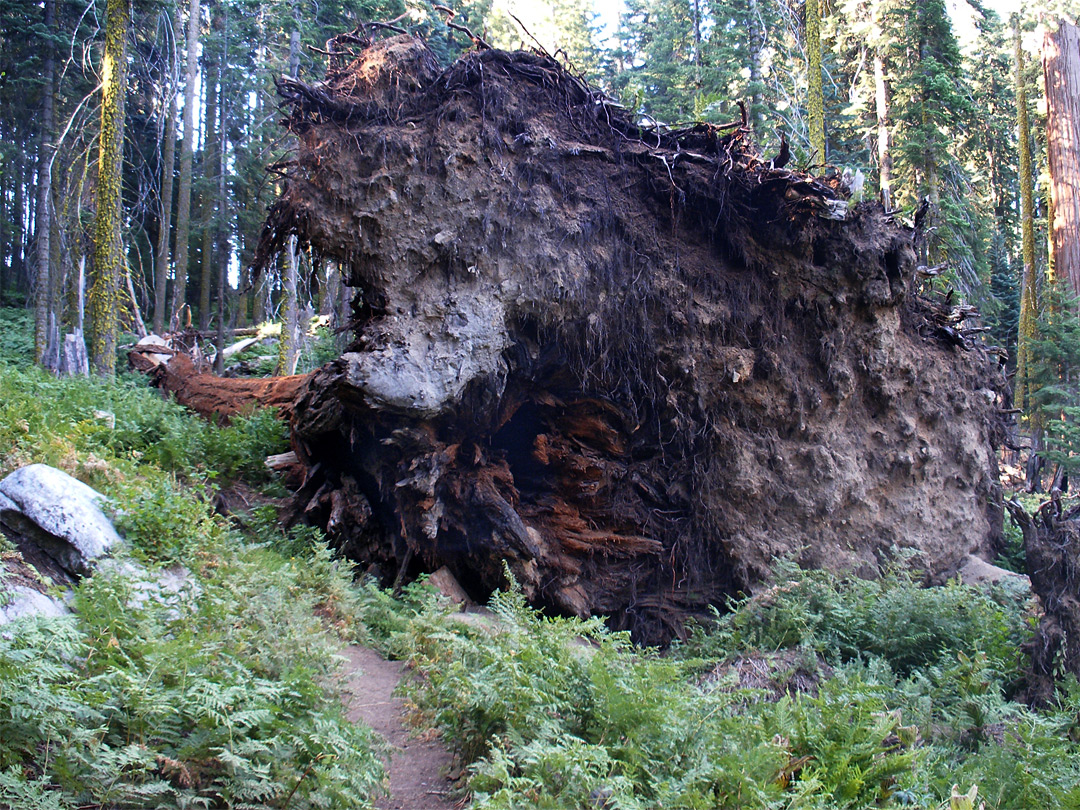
[108, 243]
[1028, 290]
[816, 100]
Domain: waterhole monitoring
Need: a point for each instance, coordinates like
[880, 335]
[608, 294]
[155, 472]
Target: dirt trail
[417, 767]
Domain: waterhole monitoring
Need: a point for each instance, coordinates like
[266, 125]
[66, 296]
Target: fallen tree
[176, 373]
[635, 363]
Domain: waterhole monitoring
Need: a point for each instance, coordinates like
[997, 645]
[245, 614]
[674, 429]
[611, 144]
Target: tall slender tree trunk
[881, 108]
[290, 336]
[18, 235]
[187, 148]
[168, 164]
[221, 237]
[1028, 287]
[108, 243]
[1061, 65]
[42, 288]
[1029, 302]
[816, 99]
[697, 45]
[755, 37]
[209, 197]
[5, 218]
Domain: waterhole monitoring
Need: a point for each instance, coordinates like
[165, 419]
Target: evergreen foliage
[1054, 368]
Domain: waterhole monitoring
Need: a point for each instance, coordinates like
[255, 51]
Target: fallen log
[634, 363]
[221, 398]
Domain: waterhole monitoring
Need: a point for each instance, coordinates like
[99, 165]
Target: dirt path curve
[416, 766]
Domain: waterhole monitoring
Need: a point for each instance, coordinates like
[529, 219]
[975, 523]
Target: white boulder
[59, 515]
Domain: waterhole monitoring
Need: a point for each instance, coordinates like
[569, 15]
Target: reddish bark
[224, 397]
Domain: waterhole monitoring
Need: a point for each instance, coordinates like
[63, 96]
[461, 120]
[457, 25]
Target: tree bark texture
[187, 151]
[1052, 554]
[104, 297]
[815, 100]
[221, 398]
[881, 109]
[1061, 66]
[43, 302]
[168, 166]
[209, 202]
[1029, 305]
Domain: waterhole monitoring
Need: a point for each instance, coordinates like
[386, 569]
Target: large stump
[635, 363]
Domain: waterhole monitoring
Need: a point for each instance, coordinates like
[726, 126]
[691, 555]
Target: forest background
[136, 136]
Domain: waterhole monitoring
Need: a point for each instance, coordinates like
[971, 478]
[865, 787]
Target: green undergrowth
[219, 692]
[904, 694]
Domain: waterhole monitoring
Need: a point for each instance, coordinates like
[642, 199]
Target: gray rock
[58, 515]
[20, 601]
[977, 571]
[172, 587]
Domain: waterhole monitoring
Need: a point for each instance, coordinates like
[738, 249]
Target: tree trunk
[18, 216]
[4, 213]
[881, 106]
[289, 327]
[183, 209]
[697, 45]
[1061, 64]
[1028, 290]
[221, 240]
[755, 39]
[43, 303]
[816, 101]
[108, 243]
[210, 164]
[221, 397]
[168, 161]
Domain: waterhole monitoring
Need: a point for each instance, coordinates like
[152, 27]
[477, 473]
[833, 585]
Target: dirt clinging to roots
[635, 363]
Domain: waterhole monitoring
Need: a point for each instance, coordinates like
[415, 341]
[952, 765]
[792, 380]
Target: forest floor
[418, 761]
